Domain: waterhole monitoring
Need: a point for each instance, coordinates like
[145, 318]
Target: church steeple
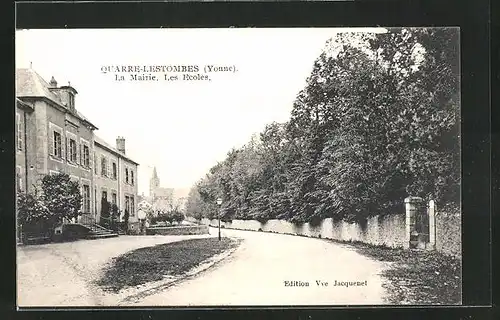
[154, 182]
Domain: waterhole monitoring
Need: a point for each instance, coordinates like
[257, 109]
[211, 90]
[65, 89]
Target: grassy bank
[153, 263]
[418, 277]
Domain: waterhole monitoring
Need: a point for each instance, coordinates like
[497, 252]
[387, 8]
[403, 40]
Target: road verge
[146, 271]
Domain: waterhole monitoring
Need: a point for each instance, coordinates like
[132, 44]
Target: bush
[178, 216]
[34, 218]
[168, 217]
[115, 217]
[162, 217]
[126, 216]
[105, 213]
[31, 209]
[39, 213]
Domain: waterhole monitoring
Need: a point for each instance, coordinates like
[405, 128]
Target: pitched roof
[106, 145]
[30, 84]
[164, 192]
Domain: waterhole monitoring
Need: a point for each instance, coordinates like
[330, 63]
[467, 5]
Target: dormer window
[71, 101]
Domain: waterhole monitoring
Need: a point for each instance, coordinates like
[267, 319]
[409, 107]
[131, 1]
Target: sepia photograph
[219, 167]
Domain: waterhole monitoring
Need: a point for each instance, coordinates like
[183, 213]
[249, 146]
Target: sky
[181, 127]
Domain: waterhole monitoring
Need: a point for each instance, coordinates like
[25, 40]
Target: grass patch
[418, 277]
[153, 263]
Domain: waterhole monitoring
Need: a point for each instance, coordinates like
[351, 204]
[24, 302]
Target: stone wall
[379, 230]
[179, 230]
[134, 227]
[449, 233]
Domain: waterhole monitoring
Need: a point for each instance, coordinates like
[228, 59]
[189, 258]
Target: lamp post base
[219, 229]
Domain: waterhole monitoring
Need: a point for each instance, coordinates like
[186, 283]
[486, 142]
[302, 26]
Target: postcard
[202, 167]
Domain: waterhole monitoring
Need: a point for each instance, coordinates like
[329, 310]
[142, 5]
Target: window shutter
[21, 137]
[83, 198]
[64, 147]
[79, 153]
[89, 162]
[108, 168]
[18, 179]
[51, 142]
[19, 132]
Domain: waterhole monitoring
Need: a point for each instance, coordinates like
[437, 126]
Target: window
[132, 207]
[19, 180]
[72, 150]
[57, 144]
[126, 175]
[104, 166]
[113, 198]
[86, 198]
[131, 177]
[86, 156]
[114, 171]
[95, 163]
[129, 205]
[105, 195]
[19, 132]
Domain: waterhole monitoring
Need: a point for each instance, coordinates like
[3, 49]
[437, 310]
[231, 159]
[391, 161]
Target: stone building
[115, 177]
[53, 136]
[161, 199]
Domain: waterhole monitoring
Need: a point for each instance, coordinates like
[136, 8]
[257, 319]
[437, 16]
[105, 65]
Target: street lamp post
[141, 215]
[219, 202]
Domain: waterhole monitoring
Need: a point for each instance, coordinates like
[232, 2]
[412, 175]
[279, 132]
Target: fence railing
[104, 223]
[88, 220]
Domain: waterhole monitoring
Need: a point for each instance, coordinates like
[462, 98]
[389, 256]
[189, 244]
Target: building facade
[115, 177]
[53, 136]
[161, 199]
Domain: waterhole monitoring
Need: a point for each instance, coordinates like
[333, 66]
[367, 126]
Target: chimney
[120, 144]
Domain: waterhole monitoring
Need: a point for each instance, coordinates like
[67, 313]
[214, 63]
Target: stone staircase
[95, 231]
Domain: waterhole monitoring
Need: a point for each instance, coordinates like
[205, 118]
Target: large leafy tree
[61, 196]
[378, 120]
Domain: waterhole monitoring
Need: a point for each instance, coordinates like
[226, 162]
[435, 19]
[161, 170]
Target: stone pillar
[411, 205]
[432, 225]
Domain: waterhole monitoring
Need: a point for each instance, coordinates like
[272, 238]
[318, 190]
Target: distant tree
[194, 204]
[178, 216]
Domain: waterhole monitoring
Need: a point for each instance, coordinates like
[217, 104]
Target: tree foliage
[42, 210]
[377, 121]
[61, 196]
[31, 209]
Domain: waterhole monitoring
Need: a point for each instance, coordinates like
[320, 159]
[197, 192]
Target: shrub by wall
[178, 230]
